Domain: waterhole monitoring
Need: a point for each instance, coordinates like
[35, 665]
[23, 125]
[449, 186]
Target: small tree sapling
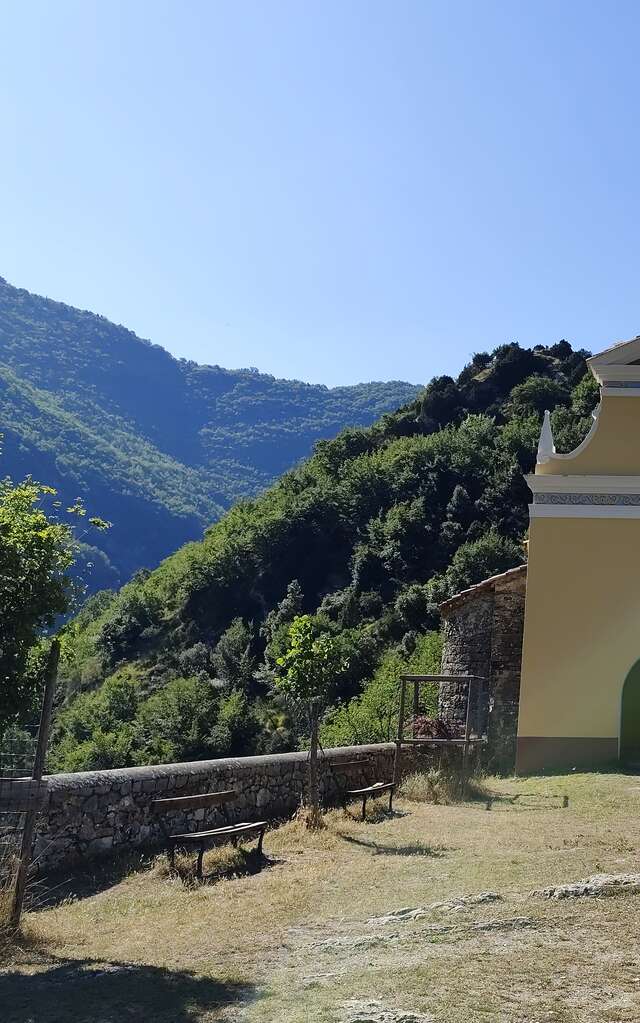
[306, 673]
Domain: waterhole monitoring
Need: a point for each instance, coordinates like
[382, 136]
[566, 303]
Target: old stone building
[482, 629]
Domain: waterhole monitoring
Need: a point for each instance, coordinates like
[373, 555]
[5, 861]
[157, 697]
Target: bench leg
[260, 837]
[390, 800]
[199, 864]
[364, 807]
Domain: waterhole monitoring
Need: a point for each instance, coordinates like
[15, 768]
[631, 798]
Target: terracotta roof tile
[472, 591]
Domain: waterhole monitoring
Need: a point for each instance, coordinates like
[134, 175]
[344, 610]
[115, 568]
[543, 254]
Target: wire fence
[17, 756]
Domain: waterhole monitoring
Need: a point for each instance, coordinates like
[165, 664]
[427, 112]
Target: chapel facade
[573, 697]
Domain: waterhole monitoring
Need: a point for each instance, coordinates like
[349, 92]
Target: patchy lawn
[318, 936]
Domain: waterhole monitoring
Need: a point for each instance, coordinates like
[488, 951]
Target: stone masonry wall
[95, 813]
[506, 666]
[483, 636]
[466, 651]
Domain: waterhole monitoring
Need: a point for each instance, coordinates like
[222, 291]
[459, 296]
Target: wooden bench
[366, 791]
[201, 839]
[376, 789]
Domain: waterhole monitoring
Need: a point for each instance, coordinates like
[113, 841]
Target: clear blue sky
[336, 190]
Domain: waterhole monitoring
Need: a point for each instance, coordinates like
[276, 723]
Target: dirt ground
[345, 927]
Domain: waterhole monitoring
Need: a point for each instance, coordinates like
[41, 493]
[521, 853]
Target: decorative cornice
[621, 389]
[615, 373]
[584, 499]
[619, 354]
[584, 511]
[585, 485]
[576, 497]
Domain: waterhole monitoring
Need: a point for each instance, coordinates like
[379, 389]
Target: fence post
[397, 763]
[51, 676]
[467, 736]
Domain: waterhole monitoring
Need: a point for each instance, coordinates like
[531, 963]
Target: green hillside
[371, 532]
[159, 446]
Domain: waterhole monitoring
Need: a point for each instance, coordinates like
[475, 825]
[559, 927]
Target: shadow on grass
[86, 991]
[376, 814]
[98, 876]
[241, 863]
[414, 849]
[527, 801]
[87, 879]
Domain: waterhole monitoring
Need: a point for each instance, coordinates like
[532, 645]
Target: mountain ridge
[160, 446]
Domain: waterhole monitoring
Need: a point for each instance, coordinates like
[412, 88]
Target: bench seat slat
[378, 786]
[231, 829]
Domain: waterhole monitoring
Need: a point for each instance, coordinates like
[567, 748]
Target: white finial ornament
[546, 447]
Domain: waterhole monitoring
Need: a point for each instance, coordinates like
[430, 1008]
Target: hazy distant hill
[158, 445]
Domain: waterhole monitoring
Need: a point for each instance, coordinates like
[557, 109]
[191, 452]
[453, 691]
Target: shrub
[236, 729]
[101, 752]
[536, 394]
[131, 615]
[441, 786]
[175, 723]
[372, 716]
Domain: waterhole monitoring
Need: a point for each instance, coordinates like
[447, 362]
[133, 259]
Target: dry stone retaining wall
[96, 813]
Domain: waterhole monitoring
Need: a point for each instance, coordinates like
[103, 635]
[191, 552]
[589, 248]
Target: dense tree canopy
[368, 536]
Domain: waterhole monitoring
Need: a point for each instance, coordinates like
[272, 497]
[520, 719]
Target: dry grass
[442, 787]
[225, 861]
[294, 942]
[7, 878]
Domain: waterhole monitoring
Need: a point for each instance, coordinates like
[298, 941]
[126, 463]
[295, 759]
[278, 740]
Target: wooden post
[314, 817]
[397, 764]
[416, 706]
[467, 735]
[51, 676]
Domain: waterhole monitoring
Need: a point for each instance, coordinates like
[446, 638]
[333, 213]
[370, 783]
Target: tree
[585, 395]
[306, 674]
[35, 554]
[474, 561]
[537, 393]
[233, 659]
[285, 612]
[37, 549]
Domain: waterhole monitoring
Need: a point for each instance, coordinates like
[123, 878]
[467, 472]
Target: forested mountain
[158, 446]
[370, 533]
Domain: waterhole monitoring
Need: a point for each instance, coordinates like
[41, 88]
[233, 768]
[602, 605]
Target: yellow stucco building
[580, 682]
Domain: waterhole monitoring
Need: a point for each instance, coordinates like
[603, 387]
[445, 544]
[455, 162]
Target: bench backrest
[186, 803]
[17, 795]
[340, 764]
